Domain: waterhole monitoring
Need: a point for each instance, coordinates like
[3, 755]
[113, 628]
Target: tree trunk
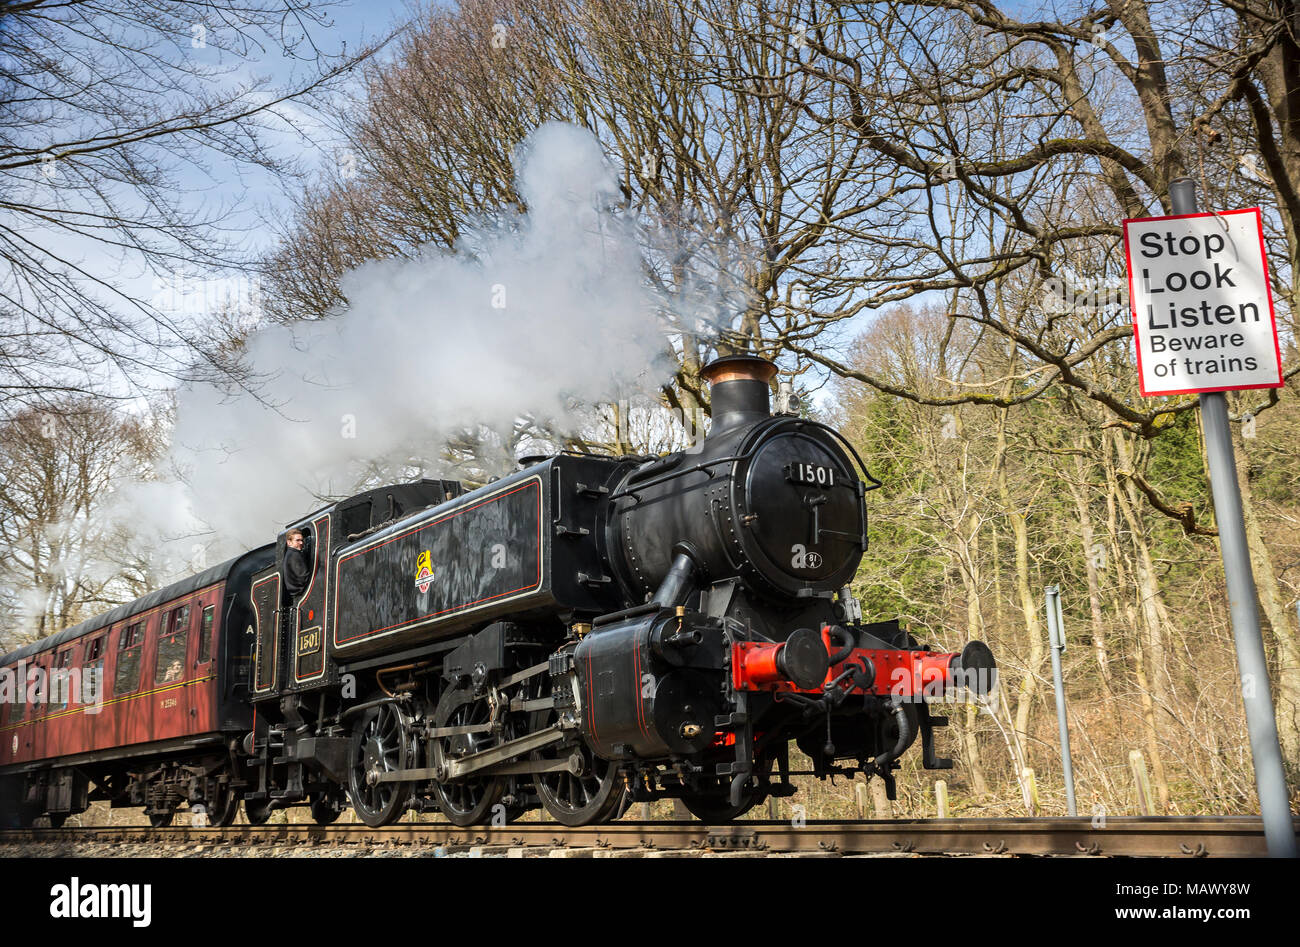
[974, 631]
[1149, 721]
[1029, 682]
[1092, 554]
[1155, 617]
[1285, 645]
[998, 621]
[1149, 728]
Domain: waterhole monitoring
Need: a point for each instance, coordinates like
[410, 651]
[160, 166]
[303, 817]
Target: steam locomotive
[586, 632]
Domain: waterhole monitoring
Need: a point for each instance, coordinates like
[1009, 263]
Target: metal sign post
[1270, 779]
[1056, 633]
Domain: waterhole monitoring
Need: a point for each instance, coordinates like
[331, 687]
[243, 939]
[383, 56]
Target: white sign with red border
[1202, 306]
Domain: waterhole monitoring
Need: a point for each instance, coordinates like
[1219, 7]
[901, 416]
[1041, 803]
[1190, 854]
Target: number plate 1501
[817, 475]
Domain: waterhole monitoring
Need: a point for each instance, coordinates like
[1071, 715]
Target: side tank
[528, 545]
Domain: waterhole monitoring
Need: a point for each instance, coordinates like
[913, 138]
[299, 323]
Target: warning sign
[1202, 306]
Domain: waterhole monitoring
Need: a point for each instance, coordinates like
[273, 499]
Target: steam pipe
[906, 734]
[677, 584]
[673, 591]
[850, 642]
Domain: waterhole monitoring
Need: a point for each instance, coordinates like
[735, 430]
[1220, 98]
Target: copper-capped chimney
[739, 388]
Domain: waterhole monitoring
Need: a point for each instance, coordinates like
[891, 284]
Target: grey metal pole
[1056, 634]
[1270, 778]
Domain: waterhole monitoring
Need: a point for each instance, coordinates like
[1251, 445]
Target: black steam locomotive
[593, 630]
[584, 633]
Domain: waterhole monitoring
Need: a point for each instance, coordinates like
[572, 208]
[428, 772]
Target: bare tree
[1016, 147]
[730, 184]
[114, 115]
[63, 556]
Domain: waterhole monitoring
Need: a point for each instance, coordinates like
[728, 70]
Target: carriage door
[61, 728]
[10, 716]
[39, 691]
[17, 733]
[94, 737]
[170, 692]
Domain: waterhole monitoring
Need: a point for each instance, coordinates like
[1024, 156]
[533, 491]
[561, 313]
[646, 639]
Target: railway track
[1204, 836]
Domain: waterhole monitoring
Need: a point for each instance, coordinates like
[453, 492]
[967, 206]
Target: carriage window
[205, 635]
[36, 690]
[127, 676]
[92, 670]
[19, 708]
[41, 689]
[170, 665]
[61, 680]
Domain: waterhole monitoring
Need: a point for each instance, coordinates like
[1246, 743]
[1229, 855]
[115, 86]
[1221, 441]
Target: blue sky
[352, 23]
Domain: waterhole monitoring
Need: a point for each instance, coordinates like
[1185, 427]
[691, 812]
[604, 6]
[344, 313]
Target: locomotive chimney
[739, 389]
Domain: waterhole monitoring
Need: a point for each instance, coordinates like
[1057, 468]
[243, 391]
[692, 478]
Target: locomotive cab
[291, 630]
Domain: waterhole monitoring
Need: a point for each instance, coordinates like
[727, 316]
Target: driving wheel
[593, 794]
[223, 807]
[468, 800]
[380, 745]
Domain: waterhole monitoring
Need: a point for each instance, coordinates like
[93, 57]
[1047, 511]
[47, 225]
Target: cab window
[354, 520]
[173, 636]
[127, 676]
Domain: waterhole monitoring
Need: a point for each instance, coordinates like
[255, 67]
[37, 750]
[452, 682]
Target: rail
[1202, 836]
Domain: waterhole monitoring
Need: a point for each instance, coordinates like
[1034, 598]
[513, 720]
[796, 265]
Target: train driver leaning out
[297, 572]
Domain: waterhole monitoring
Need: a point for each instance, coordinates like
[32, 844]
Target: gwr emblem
[424, 572]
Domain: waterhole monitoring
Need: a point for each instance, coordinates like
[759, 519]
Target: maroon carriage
[140, 706]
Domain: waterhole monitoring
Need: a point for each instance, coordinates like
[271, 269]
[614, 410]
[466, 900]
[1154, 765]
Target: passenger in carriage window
[297, 571]
[174, 672]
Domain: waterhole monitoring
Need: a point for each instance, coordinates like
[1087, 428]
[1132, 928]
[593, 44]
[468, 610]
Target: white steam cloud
[539, 314]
